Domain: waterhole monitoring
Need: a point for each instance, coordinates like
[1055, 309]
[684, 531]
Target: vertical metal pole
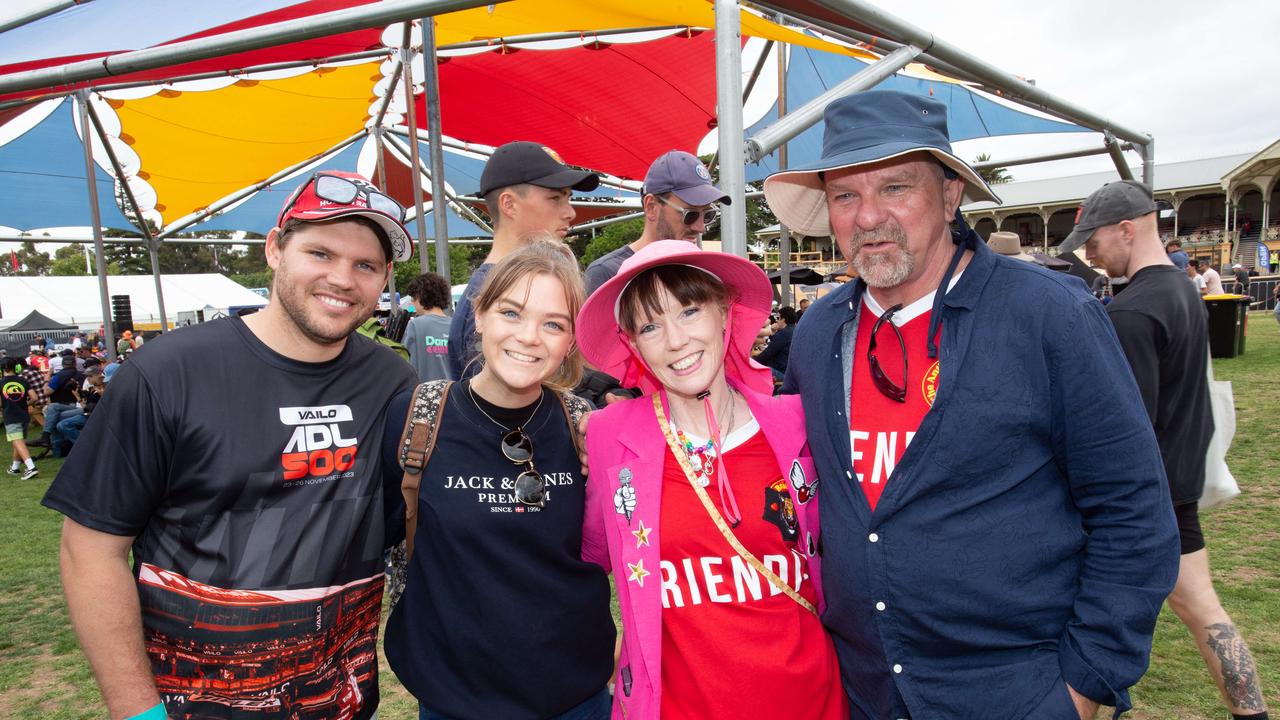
[411, 114]
[153, 246]
[95, 213]
[439, 201]
[784, 235]
[733, 225]
[1226, 216]
[1044, 220]
[1149, 163]
[381, 172]
[1176, 204]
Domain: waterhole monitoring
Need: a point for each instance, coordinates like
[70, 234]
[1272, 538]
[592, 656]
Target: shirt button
[873, 537]
[897, 668]
[880, 606]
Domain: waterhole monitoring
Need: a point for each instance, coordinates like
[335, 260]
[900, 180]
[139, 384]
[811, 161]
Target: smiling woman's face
[683, 344]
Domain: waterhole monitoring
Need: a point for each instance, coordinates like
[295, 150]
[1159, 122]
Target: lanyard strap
[683, 459]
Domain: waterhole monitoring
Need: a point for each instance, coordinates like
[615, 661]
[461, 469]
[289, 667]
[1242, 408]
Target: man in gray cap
[993, 545]
[1163, 329]
[679, 202]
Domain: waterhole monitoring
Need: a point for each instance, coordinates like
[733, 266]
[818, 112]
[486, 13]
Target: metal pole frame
[38, 13]
[100, 253]
[431, 89]
[784, 235]
[458, 206]
[809, 114]
[1117, 157]
[153, 246]
[455, 144]
[380, 173]
[1011, 87]
[952, 60]
[733, 224]
[411, 118]
[746, 93]
[379, 14]
[195, 218]
[1047, 157]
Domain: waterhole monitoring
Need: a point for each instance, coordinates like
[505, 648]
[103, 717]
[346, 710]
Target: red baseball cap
[331, 194]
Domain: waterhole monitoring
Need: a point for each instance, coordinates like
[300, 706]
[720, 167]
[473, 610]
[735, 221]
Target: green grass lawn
[43, 674]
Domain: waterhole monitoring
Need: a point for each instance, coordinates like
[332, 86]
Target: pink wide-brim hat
[606, 346]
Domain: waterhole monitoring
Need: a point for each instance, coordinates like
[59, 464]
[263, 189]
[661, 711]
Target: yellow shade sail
[530, 17]
[197, 147]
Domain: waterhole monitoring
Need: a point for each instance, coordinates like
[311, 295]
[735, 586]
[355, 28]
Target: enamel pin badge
[624, 500]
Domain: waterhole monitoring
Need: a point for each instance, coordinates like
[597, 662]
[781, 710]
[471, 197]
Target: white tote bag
[1219, 485]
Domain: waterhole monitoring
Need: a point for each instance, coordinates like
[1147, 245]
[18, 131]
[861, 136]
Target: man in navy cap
[679, 202]
[994, 544]
[526, 188]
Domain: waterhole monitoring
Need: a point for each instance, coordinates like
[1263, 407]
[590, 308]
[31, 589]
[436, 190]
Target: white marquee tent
[75, 300]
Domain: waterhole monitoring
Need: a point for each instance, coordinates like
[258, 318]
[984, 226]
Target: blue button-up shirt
[1026, 537]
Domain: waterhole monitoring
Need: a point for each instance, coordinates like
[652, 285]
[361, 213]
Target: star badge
[638, 573]
[642, 534]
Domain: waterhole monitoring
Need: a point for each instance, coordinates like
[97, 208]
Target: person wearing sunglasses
[679, 202]
[238, 461]
[702, 498]
[987, 532]
[500, 617]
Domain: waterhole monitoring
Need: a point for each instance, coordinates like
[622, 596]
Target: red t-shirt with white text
[733, 646]
[881, 428]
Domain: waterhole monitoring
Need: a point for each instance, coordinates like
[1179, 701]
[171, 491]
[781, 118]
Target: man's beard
[667, 231]
[882, 270]
[302, 319]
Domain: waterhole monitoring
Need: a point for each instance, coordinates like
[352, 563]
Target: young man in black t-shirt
[238, 460]
[14, 396]
[1163, 329]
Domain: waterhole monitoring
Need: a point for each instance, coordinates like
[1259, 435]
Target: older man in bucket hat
[994, 544]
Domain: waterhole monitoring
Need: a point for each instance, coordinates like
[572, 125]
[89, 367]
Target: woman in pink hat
[702, 498]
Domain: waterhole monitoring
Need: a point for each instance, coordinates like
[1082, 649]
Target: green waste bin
[1228, 318]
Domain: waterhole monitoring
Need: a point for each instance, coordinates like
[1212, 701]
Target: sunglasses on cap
[689, 216]
[344, 191]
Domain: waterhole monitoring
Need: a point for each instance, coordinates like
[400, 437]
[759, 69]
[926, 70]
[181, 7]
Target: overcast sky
[1200, 77]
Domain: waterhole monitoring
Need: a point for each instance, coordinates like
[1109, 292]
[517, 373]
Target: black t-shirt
[1163, 328]
[13, 395]
[64, 383]
[501, 617]
[252, 484]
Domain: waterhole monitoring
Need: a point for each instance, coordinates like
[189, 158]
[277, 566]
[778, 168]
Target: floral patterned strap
[682, 458]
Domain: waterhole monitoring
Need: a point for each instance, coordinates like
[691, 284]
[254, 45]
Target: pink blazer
[625, 445]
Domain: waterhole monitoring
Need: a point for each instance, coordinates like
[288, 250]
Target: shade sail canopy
[602, 100]
[970, 114]
[42, 172]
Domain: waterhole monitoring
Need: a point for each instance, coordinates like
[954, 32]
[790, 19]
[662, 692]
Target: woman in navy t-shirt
[500, 616]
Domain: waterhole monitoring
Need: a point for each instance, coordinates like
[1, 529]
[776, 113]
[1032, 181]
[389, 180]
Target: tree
[69, 260]
[30, 261]
[995, 175]
[611, 238]
[463, 260]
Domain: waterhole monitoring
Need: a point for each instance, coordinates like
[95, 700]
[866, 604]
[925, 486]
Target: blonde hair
[541, 257]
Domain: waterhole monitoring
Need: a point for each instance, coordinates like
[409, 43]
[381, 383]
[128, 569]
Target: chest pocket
[983, 424]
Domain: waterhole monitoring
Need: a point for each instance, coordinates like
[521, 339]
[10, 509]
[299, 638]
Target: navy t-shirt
[251, 483]
[501, 617]
[462, 341]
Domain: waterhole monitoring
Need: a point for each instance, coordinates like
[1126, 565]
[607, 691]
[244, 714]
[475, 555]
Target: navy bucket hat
[863, 128]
